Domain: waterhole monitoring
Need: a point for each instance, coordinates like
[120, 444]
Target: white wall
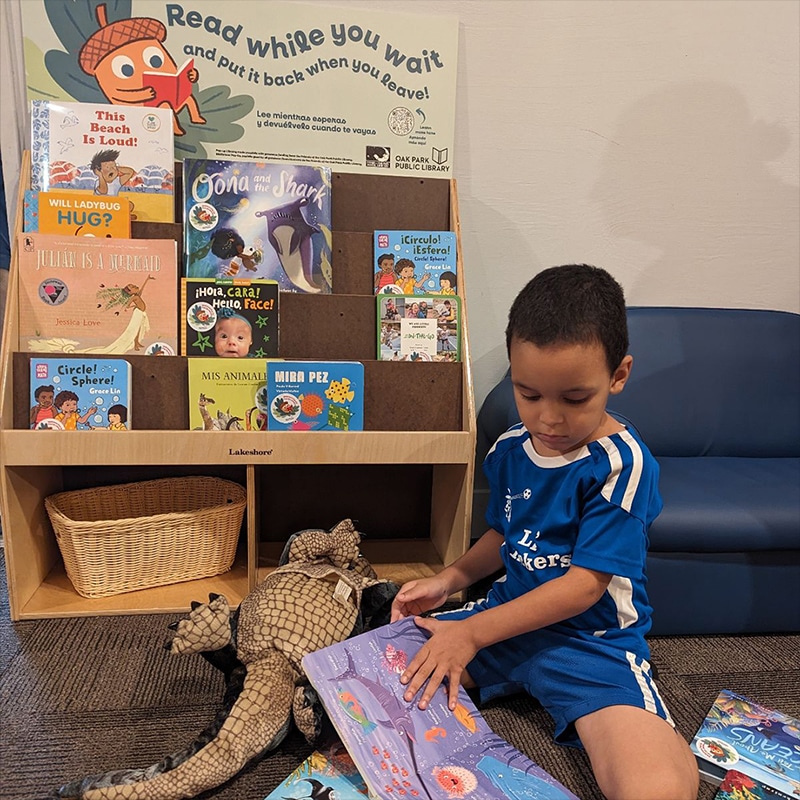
[656, 138]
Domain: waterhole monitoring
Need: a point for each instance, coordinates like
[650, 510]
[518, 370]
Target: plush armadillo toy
[323, 592]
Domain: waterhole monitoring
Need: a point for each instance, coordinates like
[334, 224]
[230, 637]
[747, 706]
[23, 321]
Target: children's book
[315, 396]
[171, 89]
[419, 327]
[82, 294]
[71, 213]
[415, 262]
[738, 786]
[401, 750]
[227, 394]
[80, 394]
[229, 318]
[254, 219]
[110, 151]
[752, 739]
[328, 772]
[30, 211]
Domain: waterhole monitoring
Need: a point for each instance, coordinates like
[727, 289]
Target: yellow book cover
[84, 214]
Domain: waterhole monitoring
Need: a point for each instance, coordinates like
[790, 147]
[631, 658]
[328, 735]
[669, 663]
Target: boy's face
[561, 393]
[232, 338]
[387, 264]
[109, 171]
[407, 272]
[45, 399]
[114, 419]
[69, 406]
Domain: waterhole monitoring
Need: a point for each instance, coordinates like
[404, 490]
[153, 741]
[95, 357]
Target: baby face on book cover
[431, 753]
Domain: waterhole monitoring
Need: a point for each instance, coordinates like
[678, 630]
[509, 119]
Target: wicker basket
[116, 539]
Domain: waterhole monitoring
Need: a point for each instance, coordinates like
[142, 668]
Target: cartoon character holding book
[132, 67]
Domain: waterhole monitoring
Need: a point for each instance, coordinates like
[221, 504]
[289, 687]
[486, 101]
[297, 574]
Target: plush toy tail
[259, 720]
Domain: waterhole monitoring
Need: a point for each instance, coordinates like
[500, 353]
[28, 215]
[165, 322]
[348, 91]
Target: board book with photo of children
[403, 751]
[108, 151]
[315, 395]
[415, 262]
[255, 219]
[89, 295]
[418, 327]
[229, 318]
[740, 734]
[80, 394]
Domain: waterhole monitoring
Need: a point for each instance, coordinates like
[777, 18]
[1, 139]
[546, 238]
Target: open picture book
[403, 751]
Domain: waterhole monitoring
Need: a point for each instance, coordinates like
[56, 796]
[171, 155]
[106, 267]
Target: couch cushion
[718, 505]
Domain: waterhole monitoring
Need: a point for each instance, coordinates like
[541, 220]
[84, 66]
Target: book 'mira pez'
[328, 769]
[760, 742]
[81, 294]
[738, 786]
[258, 220]
[415, 262]
[83, 214]
[80, 394]
[315, 396]
[229, 318]
[107, 150]
[397, 746]
[419, 327]
[227, 394]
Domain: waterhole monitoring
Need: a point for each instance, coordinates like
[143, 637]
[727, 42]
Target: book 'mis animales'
[397, 747]
[315, 395]
[81, 294]
[229, 318]
[258, 220]
[107, 150]
[415, 262]
[227, 394]
[80, 394]
[757, 741]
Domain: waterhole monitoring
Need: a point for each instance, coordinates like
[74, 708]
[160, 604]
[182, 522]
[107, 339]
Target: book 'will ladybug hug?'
[107, 151]
[254, 219]
[86, 295]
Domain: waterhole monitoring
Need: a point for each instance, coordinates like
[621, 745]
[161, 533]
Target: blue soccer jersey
[592, 508]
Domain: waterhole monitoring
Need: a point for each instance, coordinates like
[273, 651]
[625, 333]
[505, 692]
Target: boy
[572, 496]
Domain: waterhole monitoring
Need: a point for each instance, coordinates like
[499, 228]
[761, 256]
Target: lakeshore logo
[249, 452]
[380, 157]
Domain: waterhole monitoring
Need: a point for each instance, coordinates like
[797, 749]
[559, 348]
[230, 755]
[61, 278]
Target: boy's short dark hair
[101, 157]
[571, 304]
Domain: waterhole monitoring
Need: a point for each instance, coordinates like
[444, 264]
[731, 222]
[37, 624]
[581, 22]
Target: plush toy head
[322, 592]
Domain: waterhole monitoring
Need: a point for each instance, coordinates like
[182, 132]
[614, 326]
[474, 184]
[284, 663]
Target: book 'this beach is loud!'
[79, 294]
[107, 151]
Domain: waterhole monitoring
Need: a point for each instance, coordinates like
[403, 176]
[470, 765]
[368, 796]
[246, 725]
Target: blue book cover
[254, 219]
[738, 786]
[315, 396]
[740, 734]
[401, 750]
[415, 262]
[80, 394]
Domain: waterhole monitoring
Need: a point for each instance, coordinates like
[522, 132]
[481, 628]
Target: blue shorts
[569, 674]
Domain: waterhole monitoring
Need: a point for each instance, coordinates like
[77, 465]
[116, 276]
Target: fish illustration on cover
[254, 219]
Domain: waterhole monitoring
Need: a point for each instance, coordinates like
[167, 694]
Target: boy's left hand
[444, 656]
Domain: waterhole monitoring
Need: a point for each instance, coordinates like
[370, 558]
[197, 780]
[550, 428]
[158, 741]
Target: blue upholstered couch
[715, 393]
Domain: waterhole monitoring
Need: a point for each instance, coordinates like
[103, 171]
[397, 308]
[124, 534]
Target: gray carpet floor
[83, 696]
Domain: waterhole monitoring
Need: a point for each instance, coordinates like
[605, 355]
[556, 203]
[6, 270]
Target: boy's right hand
[417, 597]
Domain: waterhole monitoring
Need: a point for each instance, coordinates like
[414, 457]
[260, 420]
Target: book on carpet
[397, 747]
[106, 150]
[227, 394]
[82, 294]
[415, 262]
[315, 396]
[171, 89]
[328, 772]
[738, 786]
[229, 318]
[255, 219]
[83, 214]
[80, 394]
[418, 327]
[760, 742]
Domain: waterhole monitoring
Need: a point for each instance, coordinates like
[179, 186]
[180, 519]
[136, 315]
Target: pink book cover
[84, 294]
[402, 751]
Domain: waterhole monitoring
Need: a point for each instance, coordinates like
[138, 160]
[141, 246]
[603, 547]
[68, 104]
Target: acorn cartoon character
[123, 55]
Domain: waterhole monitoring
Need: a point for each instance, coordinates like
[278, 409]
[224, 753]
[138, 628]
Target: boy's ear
[621, 374]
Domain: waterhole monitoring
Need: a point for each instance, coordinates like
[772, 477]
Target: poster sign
[357, 89]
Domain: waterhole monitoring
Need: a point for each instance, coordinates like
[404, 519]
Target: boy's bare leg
[636, 755]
